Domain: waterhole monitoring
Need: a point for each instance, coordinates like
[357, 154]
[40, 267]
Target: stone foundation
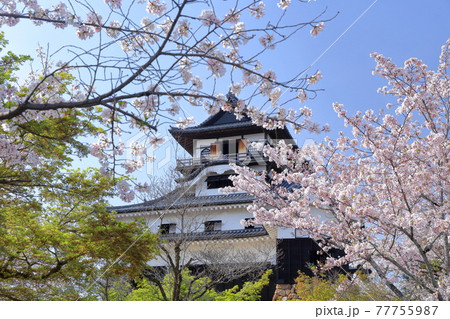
[284, 292]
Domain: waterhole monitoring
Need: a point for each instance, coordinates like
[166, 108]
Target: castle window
[213, 225]
[218, 181]
[167, 228]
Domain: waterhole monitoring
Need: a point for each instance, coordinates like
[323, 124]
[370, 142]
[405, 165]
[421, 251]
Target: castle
[205, 218]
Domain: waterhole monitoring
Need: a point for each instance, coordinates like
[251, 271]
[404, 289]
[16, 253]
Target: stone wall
[284, 292]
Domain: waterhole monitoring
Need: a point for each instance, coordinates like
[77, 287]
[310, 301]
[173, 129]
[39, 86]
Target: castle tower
[202, 215]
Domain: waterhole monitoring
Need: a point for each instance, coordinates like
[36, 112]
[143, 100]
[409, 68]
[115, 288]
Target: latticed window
[167, 228]
[213, 225]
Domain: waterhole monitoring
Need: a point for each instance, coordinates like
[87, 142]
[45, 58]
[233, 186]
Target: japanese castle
[206, 217]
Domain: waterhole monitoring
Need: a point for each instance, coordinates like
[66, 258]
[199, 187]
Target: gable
[222, 117]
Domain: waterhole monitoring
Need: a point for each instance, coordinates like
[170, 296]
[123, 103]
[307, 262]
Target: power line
[297, 78]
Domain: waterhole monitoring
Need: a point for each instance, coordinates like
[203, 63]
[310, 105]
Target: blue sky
[399, 29]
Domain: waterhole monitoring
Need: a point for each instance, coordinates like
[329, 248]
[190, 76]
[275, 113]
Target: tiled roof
[223, 124]
[288, 186]
[218, 234]
[174, 201]
[202, 128]
[222, 117]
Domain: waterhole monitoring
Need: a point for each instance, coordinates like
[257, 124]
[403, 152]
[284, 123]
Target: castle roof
[175, 200]
[219, 234]
[222, 124]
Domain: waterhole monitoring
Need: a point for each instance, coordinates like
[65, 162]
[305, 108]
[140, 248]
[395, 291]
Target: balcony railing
[251, 157]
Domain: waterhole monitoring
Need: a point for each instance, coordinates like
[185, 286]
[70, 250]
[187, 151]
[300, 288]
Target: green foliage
[250, 291]
[324, 287]
[10, 62]
[56, 235]
[192, 288]
[316, 288]
[66, 236]
[112, 287]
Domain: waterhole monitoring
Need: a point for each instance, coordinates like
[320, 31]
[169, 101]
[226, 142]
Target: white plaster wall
[193, 220]
[258, 249]
[200, 180]
[230, 251]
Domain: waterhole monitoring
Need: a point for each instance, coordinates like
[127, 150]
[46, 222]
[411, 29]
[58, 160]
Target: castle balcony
[251, 157]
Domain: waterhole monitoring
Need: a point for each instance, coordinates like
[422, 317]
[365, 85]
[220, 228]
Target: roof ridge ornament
[232, 98]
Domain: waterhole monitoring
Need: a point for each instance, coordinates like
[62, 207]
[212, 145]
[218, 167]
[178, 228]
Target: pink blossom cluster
[208, 18]
[147, 105]
[380, 194]
[166, 26]
[13, 153]
[156, 7]
[126, 194]
[259, 10]
[313, 79]
[232, 16]
[317, 29]
[113, 30]
[183, 29]
[173, 45]
[214, 107]
[114, 4]
[284, 4]
[60, 16]
[183, 123]
[267, 41]
[216, 67]
[302, 96]
[238, 37]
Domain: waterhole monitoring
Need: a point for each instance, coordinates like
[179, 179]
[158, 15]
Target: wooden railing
[246, 158]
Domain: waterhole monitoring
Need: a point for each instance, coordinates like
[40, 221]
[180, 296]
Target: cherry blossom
[267, 41]
[236, 88]
[114, 4]
[156, 7]
[174, 44]
[313, 79]
[284, 4]
[259, 10]
[209, 18]
[126, 193]
[383, 190]
[232, 16]
[317, 29]
[302, 96]
[275, 95]
[217, 68]
[183, 123]
[113, 31]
